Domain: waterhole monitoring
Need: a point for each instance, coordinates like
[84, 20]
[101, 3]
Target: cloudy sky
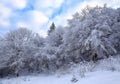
[37, 15]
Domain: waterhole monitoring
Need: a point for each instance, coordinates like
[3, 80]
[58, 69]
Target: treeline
[90, 35]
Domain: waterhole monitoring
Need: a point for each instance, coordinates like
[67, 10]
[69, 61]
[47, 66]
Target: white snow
[97, 77]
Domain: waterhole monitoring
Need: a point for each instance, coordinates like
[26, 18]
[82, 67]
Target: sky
[37, 15]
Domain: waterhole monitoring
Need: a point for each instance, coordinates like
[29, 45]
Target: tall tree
[91, 36]
[52, 28]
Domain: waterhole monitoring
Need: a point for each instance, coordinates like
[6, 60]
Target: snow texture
[98, 77]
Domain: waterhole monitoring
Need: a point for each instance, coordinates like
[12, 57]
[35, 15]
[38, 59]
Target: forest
[92, 34]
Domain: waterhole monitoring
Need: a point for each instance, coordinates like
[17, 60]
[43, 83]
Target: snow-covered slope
[97, 77]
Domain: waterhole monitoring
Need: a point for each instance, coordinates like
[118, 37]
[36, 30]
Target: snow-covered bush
[112, 64]
[77, 70]
[82, 68]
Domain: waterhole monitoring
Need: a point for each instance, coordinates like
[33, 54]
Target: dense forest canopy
[90, 35]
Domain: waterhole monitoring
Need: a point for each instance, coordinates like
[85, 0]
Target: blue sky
[37, 15]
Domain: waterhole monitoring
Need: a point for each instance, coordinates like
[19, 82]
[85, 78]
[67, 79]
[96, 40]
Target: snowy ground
[97, 77]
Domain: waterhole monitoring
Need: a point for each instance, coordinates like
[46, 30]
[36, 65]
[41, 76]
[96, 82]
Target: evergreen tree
[52, 28]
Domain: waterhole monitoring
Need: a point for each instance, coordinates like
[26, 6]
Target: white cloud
[15, 4]
[4, 11]
[35, 22]
[42, 33]
[7, 10]
[57, 3]
[20, 4]
[37, 18]
[22, 25]
[62, 18]
[5, 14]
[47, 6]
[4, 23]
[48, 3]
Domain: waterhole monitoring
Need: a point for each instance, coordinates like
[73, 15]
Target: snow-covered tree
[19, 47]
[16, 46]
[52, 28]
[91, 36]
[53, 43]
